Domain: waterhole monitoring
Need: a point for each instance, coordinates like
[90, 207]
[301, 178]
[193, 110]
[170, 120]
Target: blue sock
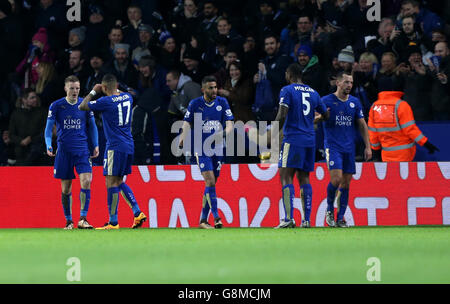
[210, 193]
[331, 195]
[85, 198]
[288, 201]
[113, 203]
[205, 208]
[306, 197]
[66, 200]
[128, 195]
[342, 202]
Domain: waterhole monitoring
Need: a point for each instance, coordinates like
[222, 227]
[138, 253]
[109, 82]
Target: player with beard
[339, 141]
[214, 114]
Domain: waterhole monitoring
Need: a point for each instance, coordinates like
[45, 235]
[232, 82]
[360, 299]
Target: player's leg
[287, 170]
[344, 187]
[305, 196]
[85, 199]
[306, 164]
[334, 164]
[210, 196]
[63, 170]
[66, 200]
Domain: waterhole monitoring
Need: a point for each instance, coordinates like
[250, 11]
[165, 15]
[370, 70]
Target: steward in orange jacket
[393, 130]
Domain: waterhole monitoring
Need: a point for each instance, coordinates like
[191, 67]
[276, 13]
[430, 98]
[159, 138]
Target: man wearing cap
[96, 62]
[346, 59]
[122, 68]
[416, 83]
[146, 41]
[192, 67]
[313, 74]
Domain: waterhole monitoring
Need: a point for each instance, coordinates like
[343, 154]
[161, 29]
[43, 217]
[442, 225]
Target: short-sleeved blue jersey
[116, 116]
[339, 129]
[213, 115]
[71, 125]
[302, 102]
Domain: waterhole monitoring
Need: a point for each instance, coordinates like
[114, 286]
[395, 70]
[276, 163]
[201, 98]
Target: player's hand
[95, 153]
[50, 152]
[317, 117]
[367, 154]
[97, 88]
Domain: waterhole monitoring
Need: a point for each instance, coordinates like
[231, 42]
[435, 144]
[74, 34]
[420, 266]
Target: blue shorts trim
[340, 161]
[116, 163]
[65, 162]
[292, 156]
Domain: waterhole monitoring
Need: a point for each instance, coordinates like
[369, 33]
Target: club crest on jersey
[352, 105]
[219, 108]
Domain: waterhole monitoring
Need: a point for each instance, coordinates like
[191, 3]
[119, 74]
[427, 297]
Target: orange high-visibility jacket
[392, 128]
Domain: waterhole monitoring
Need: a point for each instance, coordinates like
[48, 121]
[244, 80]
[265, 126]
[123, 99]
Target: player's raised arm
[84, 104]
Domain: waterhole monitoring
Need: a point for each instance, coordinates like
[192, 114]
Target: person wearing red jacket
[393, 130]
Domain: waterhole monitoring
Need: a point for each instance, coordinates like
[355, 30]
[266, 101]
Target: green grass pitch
[232, 255]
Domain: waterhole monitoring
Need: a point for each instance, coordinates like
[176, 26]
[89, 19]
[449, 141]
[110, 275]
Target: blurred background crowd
[160, 51]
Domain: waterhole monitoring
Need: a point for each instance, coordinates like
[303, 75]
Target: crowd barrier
[416, 193]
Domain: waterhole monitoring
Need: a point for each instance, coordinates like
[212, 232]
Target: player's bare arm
[184, 131]
[84, 104]
[364, 131]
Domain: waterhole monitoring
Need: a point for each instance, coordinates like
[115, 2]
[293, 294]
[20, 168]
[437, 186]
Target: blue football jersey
[211, 116]
[302, 102]
[339, 129]
[116, 116]
[71, 125]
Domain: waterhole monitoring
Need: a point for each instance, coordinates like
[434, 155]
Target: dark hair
[175, 73]
[207, 79]
[295, 71]
[115, 27]
[341, 74]
[71, 78]
[414, 3]
[109, 79]
[271, 35]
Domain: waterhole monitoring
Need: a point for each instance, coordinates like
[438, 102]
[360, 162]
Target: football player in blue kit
[208, 116]
[116, 108]
[339, 141]
[73, 127]
[296, 114]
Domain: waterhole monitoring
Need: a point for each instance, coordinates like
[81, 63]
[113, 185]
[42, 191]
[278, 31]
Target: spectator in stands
[26, 129]
[7, 156]
[183, 91]
[123, 68]
[239, 91]
[385, 37]
[48, 87]
[440, 87]
[115, 36]
[51, 15]
[387, 77]
[169, 53]
[96, 30]
[186, 22]
[192, 67]
[225, 29]
[273, 68]
[314, 74]
[222, 75]
[292, 37]
[427, 20]
[408, 35]
[269, 19]
[251, 54]
[131, 30]
[208, 26]
[77, 67]
[95, 76]
[151, 74]
[416, 84]
[364, 80]
[346, 59]
[146, 41]
[38, 51]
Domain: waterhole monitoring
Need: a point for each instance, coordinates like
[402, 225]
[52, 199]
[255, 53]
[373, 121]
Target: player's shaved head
[294, 73]
[71, 78]
[341, 75]
[109, 81]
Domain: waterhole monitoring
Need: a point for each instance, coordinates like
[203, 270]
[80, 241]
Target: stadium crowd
[161, 50]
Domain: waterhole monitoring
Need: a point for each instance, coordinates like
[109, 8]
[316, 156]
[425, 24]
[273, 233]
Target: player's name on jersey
[303, 89]
[120, 98]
